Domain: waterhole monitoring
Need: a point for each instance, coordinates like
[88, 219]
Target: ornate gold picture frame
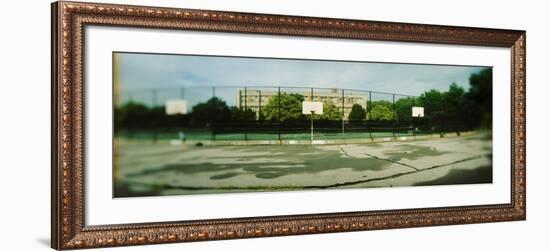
[69, 228]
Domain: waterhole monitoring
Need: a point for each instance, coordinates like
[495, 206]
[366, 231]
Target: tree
[381, 110]
[403, 109]
[330, 111]
[433, 102]
[454, 101]
[238, 114]
[381, 113]
[357, 113]
[480, 97]
[131, 115]
[290, 107]
[445, 110]
[214, 110]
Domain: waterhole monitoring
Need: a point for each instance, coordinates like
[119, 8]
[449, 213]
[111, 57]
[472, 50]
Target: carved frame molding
[68, 218]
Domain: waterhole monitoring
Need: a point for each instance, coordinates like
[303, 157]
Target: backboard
[309, 107]
[176, 106]
[418, 112]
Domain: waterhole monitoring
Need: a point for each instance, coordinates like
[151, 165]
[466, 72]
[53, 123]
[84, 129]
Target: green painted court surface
[146, 168]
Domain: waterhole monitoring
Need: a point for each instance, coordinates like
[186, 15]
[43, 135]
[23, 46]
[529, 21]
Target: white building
[256, 99]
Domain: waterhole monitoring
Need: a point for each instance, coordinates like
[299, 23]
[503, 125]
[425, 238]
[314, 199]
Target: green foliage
[454, 101]
[433, 102]
[381, 110]
[458, 107]
[290, 107]
[381, 113]
[242, 114]
[130, 114]
[357, 113]
[442, 109]
[137, 115]
[403, 108]
[454, 96]
[213, 111]
[330, 111]
[480, 97]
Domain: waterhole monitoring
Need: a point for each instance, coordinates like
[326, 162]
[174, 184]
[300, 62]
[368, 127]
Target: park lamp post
[312, 108]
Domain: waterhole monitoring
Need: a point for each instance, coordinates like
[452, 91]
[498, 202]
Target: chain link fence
[255, 112]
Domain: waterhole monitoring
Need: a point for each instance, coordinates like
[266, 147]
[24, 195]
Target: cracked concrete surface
[162, 169]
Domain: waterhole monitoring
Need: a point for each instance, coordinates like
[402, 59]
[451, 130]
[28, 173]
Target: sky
[142, 71]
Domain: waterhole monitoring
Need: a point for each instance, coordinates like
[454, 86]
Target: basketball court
[145, 168]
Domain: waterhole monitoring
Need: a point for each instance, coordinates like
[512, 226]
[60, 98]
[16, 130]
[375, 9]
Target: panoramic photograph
[201, 124]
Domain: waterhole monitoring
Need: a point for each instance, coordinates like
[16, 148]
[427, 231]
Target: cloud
[160, 71]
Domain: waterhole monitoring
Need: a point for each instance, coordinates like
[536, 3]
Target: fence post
[259, 104]
[394, 114]
[444, 128]
[130, 100]
[311, 99]
[311, 118]
[412, 119]
[369, 110]
[181, 120]
[430, 125]
[212, 125]
[245, 109]
[279, 112]
[457, 126]
[155, 128]
[343, 112]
